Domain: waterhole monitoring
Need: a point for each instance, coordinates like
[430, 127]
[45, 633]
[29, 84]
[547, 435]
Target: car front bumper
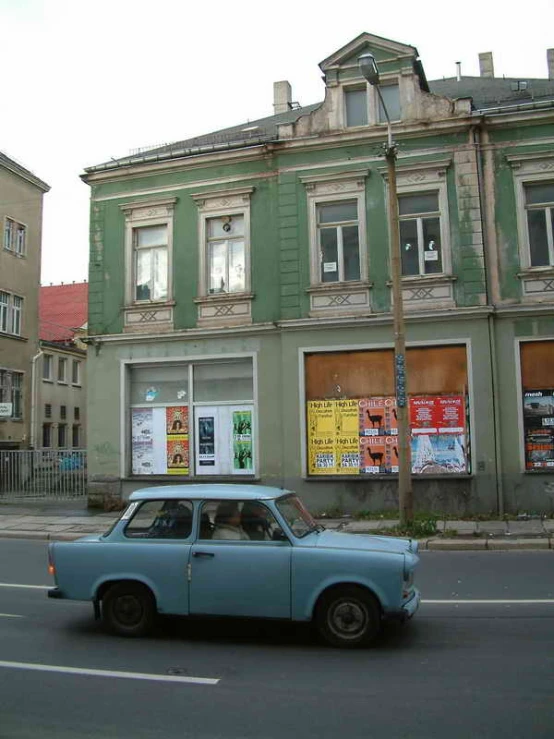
[407, 610]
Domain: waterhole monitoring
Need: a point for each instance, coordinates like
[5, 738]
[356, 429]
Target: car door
[240, 577]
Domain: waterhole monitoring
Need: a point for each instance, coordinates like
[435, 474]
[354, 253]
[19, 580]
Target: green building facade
[240, 312]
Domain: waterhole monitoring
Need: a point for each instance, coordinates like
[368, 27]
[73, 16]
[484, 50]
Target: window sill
[140, 304]
[546, 271]
[348, 285]
[223, 297]
[193, 479]
[17, 337]
[48, 379]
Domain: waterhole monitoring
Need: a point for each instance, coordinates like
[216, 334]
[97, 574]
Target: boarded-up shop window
[351, 416]
[537, 380]
[363, 374]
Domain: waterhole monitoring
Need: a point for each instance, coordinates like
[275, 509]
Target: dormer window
[363, 107]
[355, 105]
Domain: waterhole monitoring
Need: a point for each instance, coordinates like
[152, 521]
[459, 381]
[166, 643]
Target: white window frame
[5, 300]
[15, 236]
[17, 315]
[75, 375]
[327, 189]
[419, 218]
[11, 313]
[62, 362]
[144, 214]
[429, 178]
[47, 367]
[219, 204]
[372, 101]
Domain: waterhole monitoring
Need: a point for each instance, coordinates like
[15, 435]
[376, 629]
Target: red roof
[62, 310]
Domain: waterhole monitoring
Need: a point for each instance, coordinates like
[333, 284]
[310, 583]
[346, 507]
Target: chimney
[458, 71]
[486, 66]
[282, 97]
[550, 62]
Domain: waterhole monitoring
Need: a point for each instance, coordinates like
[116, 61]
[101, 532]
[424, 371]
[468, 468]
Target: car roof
[208, 491]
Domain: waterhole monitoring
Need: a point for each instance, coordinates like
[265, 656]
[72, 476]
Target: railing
[43, 473]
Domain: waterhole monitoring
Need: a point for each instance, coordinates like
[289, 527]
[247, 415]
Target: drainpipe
[34, 398]
[491, 281]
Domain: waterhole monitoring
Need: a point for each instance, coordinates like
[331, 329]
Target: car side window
[238, 520]
[161, 519]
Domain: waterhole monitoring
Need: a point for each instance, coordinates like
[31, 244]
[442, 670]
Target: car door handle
[203, 554]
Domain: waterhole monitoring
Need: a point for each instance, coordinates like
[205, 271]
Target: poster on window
[177, 420]
[347, 442]
[438, 454]
[206, 443]
[377, 416]
[378, 455]
[321, 437]
[142, 441]
[437, 414]
[538, 424]
[242, 441]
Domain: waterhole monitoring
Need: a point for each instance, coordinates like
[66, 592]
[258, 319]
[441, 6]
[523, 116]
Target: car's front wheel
[128, 609]
[348, 616]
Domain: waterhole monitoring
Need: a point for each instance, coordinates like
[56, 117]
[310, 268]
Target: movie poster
[538, 424]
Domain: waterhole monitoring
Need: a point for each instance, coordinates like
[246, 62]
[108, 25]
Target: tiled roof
[485, 92]
[493, 92]
[62, 310]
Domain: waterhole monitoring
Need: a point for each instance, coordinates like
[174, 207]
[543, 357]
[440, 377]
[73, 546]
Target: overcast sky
[86, 80]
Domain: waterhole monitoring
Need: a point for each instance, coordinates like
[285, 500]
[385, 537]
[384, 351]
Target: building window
[11, 313]
[148, 250]
[63, 412]
[539, 206]
[75, 436]
[224, 236]
[355, 104]
[150, 262]
[339, 241]
[337, 228]
[391, 96]
[193, 419]
[48, 410]
[47, 370]
[62, 369]
[420, 233]
[225, 254]
[62, 435]
[46, 435]
[77, 413]
[15, 236]
[11, 392]
[4, 311]
[76, 372]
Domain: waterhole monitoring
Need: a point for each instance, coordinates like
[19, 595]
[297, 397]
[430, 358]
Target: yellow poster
[347, 442]
[333, 441]
[321, 437]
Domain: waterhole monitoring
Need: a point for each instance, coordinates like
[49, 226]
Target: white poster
[224, 440]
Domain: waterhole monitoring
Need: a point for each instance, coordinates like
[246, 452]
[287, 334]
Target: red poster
[377, 416]
[177, 420]
[437, 414]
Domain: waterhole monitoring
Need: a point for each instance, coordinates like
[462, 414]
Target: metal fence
[43, 474]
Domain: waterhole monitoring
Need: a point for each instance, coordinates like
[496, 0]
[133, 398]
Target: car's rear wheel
[348, 616]
[128, 609]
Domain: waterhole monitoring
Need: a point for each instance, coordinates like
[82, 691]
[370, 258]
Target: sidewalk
[68, 520]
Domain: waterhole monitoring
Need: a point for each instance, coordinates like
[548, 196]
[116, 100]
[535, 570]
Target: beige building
[21, 199]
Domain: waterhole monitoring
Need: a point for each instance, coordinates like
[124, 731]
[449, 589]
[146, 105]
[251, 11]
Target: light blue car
[236, 550]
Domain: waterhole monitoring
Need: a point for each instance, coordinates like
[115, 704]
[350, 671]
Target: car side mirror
[279, 535]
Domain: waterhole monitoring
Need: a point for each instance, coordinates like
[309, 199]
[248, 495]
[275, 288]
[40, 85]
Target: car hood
[340, 540]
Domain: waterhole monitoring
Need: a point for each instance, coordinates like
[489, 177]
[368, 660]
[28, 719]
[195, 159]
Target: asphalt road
[459, 669]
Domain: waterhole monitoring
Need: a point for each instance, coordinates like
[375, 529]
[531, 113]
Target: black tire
[128, 609]
[348, 617]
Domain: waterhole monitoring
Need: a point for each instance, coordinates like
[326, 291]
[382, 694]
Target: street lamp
[370, 72]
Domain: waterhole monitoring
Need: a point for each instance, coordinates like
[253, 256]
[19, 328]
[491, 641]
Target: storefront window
[351, 416]
[537, 360]
[192, 419]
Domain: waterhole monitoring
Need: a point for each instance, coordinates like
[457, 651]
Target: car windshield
[297, 516]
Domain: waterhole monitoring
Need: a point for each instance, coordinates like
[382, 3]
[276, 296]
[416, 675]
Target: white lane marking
[31, 587]
[10, 615]
[110, 673]
[500, 601]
